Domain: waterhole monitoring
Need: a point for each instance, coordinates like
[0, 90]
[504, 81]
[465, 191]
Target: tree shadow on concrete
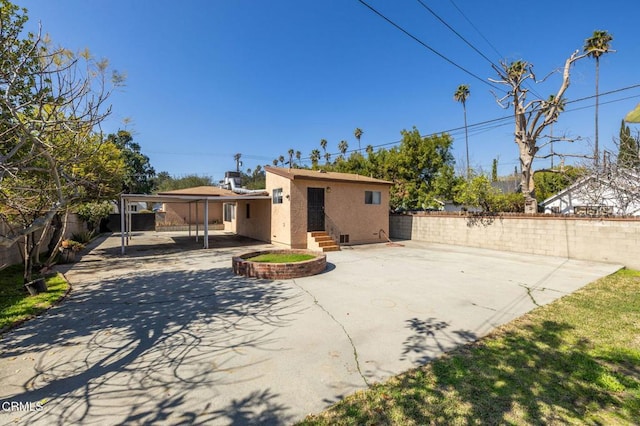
[133, 348]
[150, 244]
[430, 338]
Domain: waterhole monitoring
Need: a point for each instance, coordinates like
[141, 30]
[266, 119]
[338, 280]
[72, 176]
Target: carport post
[122, 224]
[206, 223]
[189, 219]
[197, 222]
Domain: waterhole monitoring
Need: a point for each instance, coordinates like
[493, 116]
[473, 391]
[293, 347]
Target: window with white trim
[372, 197]
[229, 212]
[277, 196]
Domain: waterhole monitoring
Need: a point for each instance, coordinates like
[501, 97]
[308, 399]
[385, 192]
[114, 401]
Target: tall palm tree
[323, 144]
[290, 152]
[298, 156]
[327, 157]
[314, 157]
[461, 95]
[358, 134]
[595, 46]
[369, 150]
[275, 162]
[343, 146]
[281, 159]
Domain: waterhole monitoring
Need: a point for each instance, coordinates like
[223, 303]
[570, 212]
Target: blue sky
[207, 79]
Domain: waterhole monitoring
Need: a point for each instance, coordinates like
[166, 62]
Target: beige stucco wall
[258, 224]
[280, 213]
[178, 213]
[348, 214]
[603, 240]
[344, 206]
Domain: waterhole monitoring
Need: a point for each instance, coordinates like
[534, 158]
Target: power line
[604, 93]
[528, 83]
[422, 43]
[476, 28]
[456, 33]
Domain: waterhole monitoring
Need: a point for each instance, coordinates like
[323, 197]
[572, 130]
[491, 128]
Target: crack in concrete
[353, 346]
[484, 307]
[530, 294]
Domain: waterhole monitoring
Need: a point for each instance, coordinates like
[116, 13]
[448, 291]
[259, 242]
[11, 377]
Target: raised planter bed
[279, 271]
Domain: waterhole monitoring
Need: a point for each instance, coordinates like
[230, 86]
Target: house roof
[306, 174]
[204, 191]
[585, 180]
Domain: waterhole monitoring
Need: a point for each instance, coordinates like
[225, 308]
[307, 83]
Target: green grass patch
[281, 257]
[16, 304]
[575, 361]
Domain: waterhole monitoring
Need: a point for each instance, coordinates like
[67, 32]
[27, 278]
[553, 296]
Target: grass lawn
[281, 257]
[15, 303]
[575, 361]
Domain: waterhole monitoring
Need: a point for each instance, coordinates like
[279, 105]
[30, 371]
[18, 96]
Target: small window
[229, 212]
[372, 197]
[277, 196]
[248, 211]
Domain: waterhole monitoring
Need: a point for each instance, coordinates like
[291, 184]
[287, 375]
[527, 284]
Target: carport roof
[178, 198]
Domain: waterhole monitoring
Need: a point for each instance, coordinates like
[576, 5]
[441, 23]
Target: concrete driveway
[167, 334]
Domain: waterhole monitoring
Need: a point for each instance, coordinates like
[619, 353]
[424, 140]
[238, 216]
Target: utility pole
[238, 162]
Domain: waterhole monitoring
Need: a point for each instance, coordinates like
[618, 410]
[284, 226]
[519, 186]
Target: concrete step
[328, 243]
[331, 248]
[320, 239]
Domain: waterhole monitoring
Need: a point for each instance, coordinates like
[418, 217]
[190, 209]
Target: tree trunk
[527, 154]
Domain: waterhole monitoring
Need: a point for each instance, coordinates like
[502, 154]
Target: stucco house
[299, 208]
[598, 196]
[350, 208]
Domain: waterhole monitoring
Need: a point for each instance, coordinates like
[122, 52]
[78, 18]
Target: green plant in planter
[72, 245]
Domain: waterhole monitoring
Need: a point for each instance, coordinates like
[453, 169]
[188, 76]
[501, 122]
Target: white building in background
[613, 195]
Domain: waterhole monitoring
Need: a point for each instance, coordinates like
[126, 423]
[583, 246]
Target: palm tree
[327, 157]
[323, 144]
[461, 95]
[369, 150]
[281, 159]
[298, 156]
[358, 134]
[290, 152]
[314, 157]
[343, 146]
[595, 46]
[275, 162]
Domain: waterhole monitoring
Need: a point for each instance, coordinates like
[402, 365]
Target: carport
[127, 199]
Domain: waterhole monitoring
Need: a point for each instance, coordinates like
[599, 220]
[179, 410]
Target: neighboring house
[135, 207]
[598, 196]
[352, 209]
[192, 212]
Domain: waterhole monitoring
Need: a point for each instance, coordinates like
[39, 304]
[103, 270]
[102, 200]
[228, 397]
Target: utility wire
[476, 28]
[457, 33]
[422, 43]
[528, 83]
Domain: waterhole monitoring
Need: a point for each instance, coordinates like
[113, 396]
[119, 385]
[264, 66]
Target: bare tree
[531, 117]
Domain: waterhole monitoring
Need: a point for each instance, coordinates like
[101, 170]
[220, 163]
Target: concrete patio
[167, 334]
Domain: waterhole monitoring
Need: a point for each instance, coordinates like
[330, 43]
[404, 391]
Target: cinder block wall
[11, 255]
[603, 240]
